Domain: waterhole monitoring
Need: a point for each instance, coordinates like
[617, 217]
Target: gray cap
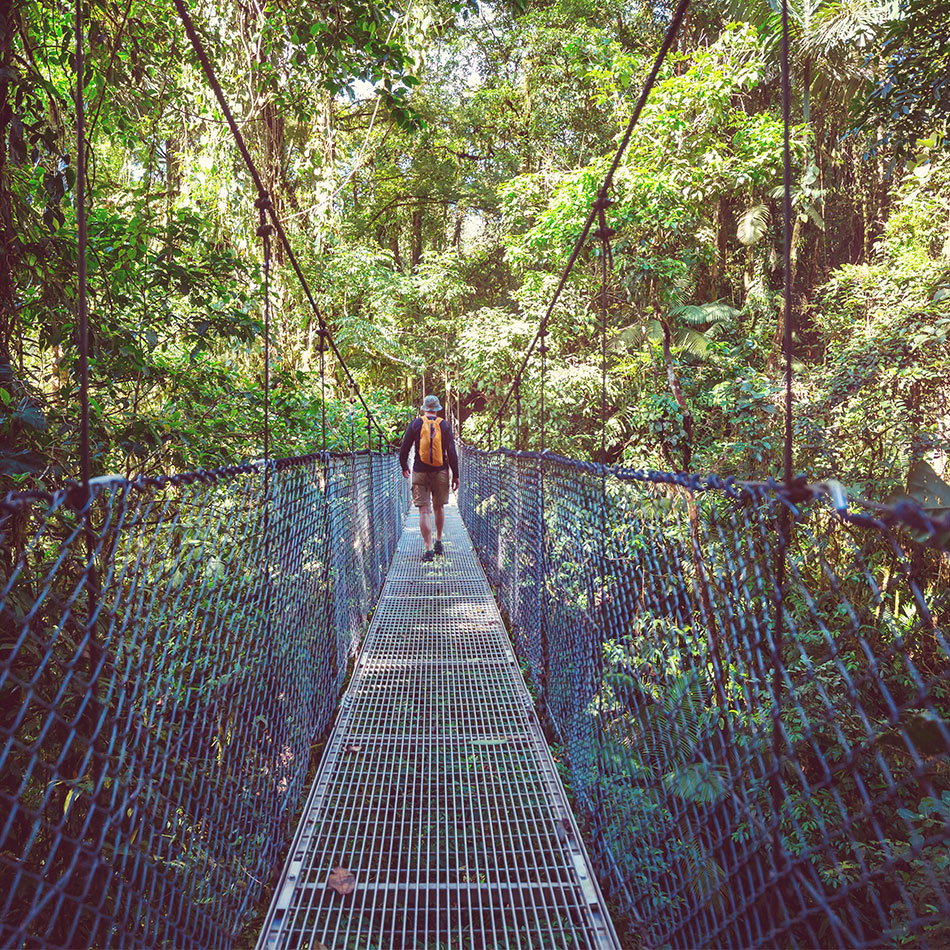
[431, 404]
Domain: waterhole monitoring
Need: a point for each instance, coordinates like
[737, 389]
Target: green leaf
[33, 417]
[925, 487]
[20, 463]
[753, 225]
[700, 782]
[812, 212]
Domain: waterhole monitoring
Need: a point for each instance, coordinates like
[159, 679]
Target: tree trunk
[778, 338]
[416, 238]
[806, 91]
[276, 184]
[273, 161]
[394, 247]
[720, 216]
[677, 391]
[172, 188]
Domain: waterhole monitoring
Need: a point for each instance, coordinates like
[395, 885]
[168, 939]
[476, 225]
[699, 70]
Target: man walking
[434, 443]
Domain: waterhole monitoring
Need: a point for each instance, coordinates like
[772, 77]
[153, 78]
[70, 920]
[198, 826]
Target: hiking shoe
[438, 548]
[428, 556]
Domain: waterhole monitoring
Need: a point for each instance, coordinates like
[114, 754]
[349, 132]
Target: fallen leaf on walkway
[566, 829]
[342, 881]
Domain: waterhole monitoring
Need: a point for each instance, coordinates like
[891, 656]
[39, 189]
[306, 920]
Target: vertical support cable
[264, 230]
[543, 589]
[543, 350]
[785, 520]
[370, 521]
[542, 539]
[323, 386]
[787, 240]
[91, 723]
[82, 305]
[327, 519]
[603, 233]
[82, 235]
[518, 414]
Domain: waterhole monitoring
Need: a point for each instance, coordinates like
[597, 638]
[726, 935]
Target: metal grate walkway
[437, 789]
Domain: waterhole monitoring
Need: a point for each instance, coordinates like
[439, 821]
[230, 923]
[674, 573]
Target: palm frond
[694, 342]
[846, 24]
[699, 782]
[753, 224]
[637, 334]
[705, 314]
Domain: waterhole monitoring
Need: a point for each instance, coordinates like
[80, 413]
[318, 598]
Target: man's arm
[407, 441]
[453, 456]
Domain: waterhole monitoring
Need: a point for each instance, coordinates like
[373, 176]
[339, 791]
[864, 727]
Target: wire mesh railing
[163, 678]
[751, 685]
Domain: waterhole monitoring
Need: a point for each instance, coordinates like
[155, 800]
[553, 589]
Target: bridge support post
[542, 593]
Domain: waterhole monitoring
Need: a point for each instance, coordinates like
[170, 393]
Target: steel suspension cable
[92, 649]
[82, 238]
[787, 241]
[264, 231]
[543, 352]
[323, 387]
[518, 415]
[603, 233]
[249, 163]
[602, 193]
[785, 519]
[82, 303]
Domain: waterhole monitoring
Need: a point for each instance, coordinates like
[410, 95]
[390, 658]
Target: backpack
[430, 442]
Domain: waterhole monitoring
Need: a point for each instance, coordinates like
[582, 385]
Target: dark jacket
[411, 438]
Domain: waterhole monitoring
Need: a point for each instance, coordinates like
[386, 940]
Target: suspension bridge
[744, 685]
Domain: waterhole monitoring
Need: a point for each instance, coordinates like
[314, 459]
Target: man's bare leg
[425, 525]
[439, 523]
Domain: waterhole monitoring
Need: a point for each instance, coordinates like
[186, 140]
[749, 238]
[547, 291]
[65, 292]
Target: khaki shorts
[434, 485]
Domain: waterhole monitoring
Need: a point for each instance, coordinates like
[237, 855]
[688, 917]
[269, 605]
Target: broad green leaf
[33, 417]
[699, 782]
[926, 487]
[753, 224]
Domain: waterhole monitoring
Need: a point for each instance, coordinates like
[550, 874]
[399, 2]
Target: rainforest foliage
[433, 164]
